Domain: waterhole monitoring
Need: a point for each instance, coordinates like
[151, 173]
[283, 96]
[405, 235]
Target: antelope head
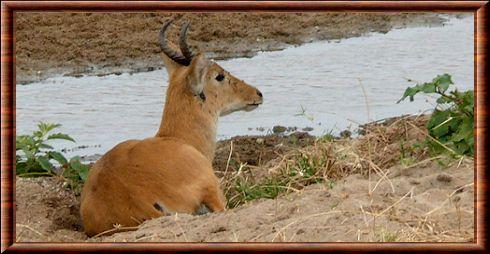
[206, 81]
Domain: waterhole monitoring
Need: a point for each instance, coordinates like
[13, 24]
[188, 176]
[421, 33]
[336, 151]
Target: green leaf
[468, 125]
[443, 100]
[471, 144]
[409, 92]
[23, 141]
[20, 168]
[461, 147]
[46, 146]
[61, 136]
[37, 134]
[58, 157]
[80, 169]
[83, 173]
[436, 127]
[428, 88]
[28, 153]
[45, 164]
[443, 82]
[44, 128]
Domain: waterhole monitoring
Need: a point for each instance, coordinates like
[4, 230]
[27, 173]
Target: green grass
[305, 169]
[386, 236]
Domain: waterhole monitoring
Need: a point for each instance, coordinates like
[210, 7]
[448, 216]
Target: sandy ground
[424, 200]
[418, 206]
[421, 203]
[76, 44]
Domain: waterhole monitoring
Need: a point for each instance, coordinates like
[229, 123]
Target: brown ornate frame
[479, 8]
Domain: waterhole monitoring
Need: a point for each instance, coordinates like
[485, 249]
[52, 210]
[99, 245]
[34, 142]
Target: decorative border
[8, 9]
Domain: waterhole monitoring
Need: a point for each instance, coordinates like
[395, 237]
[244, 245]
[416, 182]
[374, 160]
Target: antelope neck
[187, 118]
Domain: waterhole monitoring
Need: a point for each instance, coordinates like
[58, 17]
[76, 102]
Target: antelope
[171, 172]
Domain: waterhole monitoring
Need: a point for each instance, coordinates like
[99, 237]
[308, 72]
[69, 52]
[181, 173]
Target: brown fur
[172, 169]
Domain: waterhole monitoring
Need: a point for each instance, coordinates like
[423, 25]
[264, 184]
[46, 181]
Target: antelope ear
[198, 69]
[170, 65]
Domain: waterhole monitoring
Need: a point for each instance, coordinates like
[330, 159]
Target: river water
[324, 80]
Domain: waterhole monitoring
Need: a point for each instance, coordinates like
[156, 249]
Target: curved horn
[175, 56]
[184, 47]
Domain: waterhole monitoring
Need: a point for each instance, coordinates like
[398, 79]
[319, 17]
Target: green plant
[327, 136]
[308, 166]
[35, 157]
[386, 236]
[305, 114]
[247, 191]
[451, 123]
[305, 169]
[406, 158]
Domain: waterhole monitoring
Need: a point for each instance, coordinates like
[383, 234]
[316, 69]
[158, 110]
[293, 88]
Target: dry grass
[382, 145]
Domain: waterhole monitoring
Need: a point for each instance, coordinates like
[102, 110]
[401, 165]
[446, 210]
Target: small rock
[307, 129]
[444, 178]
[346, 134]
[414, 182]
[140, 235]
[219, 229]
[300, 231]
[278, 129]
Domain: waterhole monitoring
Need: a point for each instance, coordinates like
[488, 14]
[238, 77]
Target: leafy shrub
[35, 157]
[451, 123]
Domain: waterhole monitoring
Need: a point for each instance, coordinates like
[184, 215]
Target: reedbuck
[171, 172]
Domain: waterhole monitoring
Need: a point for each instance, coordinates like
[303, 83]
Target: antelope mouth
[247, 107]
[252, 106]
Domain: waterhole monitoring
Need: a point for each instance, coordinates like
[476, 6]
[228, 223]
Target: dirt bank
[378, 188]
[76, 44]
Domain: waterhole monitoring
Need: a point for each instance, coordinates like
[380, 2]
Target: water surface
[324, 78]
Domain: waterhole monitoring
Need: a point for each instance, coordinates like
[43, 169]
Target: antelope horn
[175, 56]
[184, 47]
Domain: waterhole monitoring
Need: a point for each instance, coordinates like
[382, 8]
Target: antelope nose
[259, 93]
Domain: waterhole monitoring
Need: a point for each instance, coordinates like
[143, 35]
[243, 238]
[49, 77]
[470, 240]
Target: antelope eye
[220, 77]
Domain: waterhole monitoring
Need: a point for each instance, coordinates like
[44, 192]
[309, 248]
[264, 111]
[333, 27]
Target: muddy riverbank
[76, 44]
